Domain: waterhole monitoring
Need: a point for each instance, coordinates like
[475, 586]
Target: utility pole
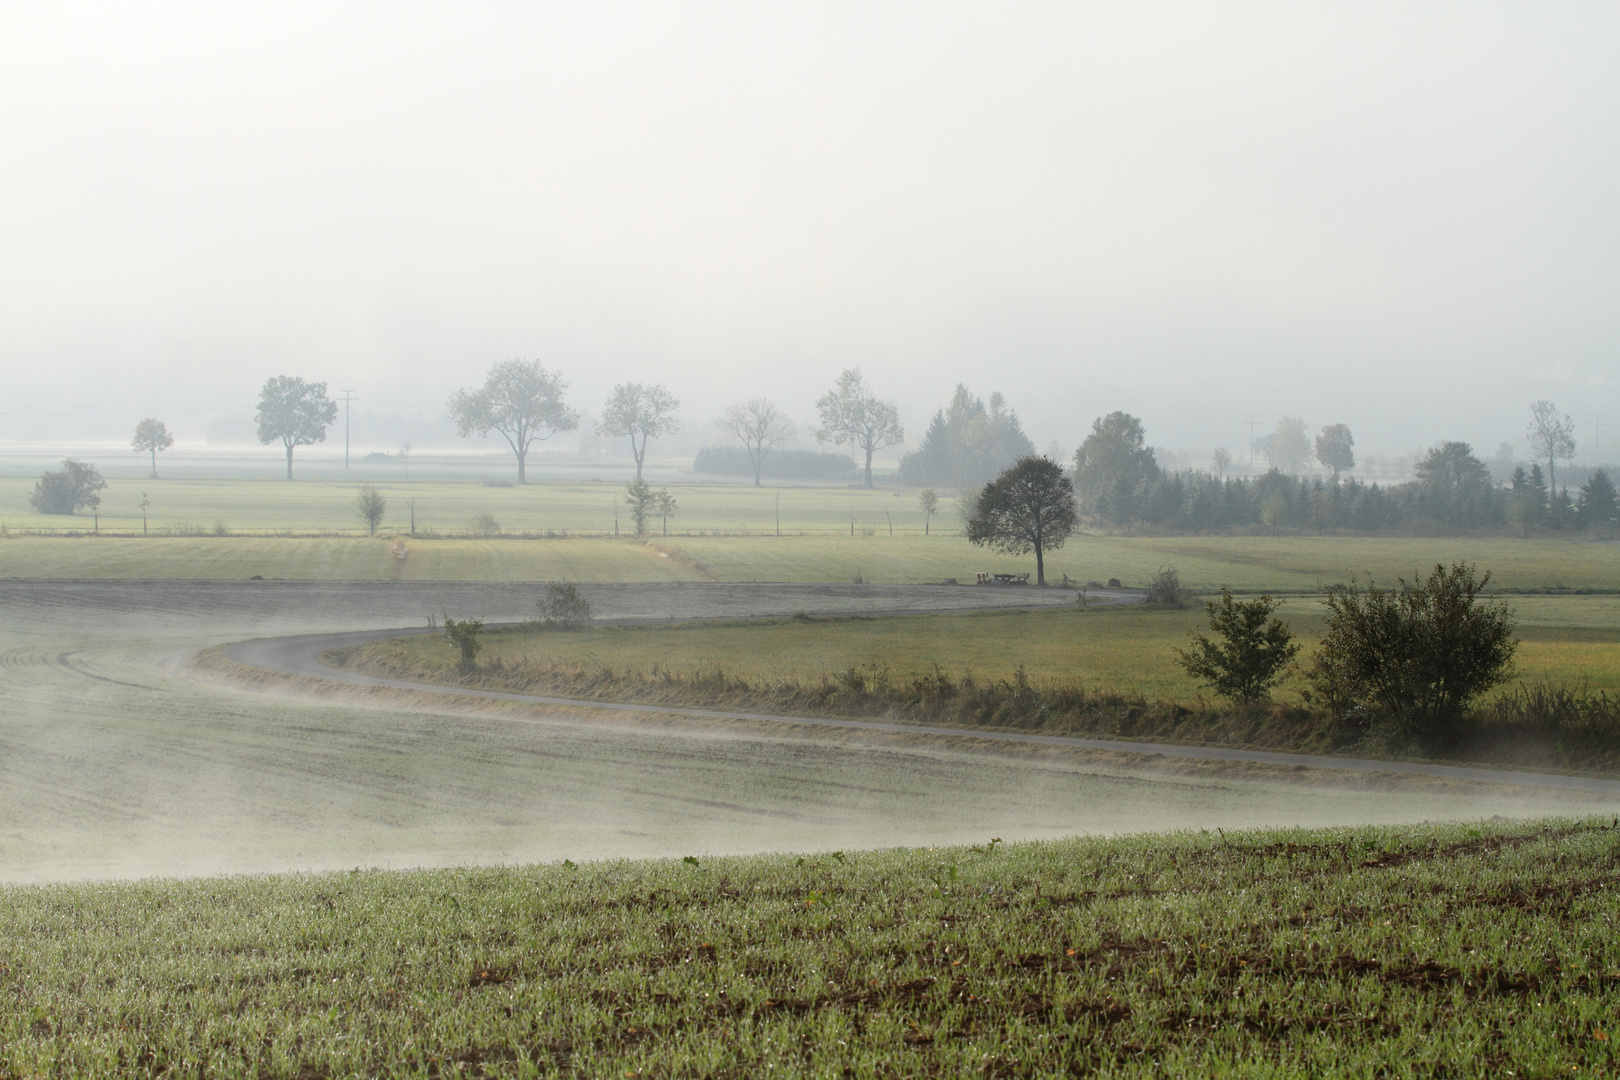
[346, 400]
[1251, 421]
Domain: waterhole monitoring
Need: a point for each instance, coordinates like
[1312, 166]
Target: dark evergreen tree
[967, 443]
[1600, 506]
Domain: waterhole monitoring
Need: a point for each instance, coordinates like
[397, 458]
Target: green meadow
[443, 506]
[1128, 650]
[1247, 564]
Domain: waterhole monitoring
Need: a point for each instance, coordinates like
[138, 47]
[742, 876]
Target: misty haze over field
[1398, 217]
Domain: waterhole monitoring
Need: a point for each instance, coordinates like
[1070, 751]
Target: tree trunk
[523, 477]
[869, 467]
[289, 461]
[637, 454]
[1040, 565]
[154, 463]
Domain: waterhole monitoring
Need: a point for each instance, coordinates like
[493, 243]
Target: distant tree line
[1120, 484]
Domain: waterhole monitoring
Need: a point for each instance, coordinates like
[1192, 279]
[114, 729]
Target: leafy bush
[76, 485]
[564, 605]
[369, 506]
[1413, 658]
[1253, 651]
[1165, 588]
[463, 636]
[484, 525]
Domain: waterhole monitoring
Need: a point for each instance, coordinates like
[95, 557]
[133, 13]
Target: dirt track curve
[301, 655]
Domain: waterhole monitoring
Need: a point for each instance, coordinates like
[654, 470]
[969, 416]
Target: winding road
[118, 761]
[301, 655]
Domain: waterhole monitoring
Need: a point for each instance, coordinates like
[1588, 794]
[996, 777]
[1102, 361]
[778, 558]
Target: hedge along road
[301, 655]
[118, 761]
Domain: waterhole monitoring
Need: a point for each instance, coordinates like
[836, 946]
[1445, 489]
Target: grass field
[1457, 950]
[340, 559]
[1574, 640]
[448, 507]
[1250, 564]
[731, 529]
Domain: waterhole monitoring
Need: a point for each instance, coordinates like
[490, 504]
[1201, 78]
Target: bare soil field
[116, 762]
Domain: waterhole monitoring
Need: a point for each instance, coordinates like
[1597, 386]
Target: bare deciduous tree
[852, 413]
[640, 412]
[1552, 436]
[1222, 461]
[760, 425]
[151, 435]
[522, 400]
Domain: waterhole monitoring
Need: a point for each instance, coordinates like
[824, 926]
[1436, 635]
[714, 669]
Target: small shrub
[485, 526]
[463, 637]
[564, 605]
[1165, 588]
[221, 527]
[1253, 651]
[369, 506]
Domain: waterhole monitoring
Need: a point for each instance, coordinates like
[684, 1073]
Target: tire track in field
[300, 655]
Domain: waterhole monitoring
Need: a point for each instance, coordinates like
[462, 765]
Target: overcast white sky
[1400, 216]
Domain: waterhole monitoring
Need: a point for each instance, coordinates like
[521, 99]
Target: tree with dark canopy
[294, 411]
[152, 435]
[1029, 507]
[522, 400]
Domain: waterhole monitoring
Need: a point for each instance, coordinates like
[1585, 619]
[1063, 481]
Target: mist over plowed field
[117, 761]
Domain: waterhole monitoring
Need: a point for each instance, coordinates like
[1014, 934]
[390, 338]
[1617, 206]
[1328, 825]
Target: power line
[1251, 421]
[346, 401]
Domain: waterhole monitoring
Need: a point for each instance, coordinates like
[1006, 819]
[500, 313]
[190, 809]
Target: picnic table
[1003, 579]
